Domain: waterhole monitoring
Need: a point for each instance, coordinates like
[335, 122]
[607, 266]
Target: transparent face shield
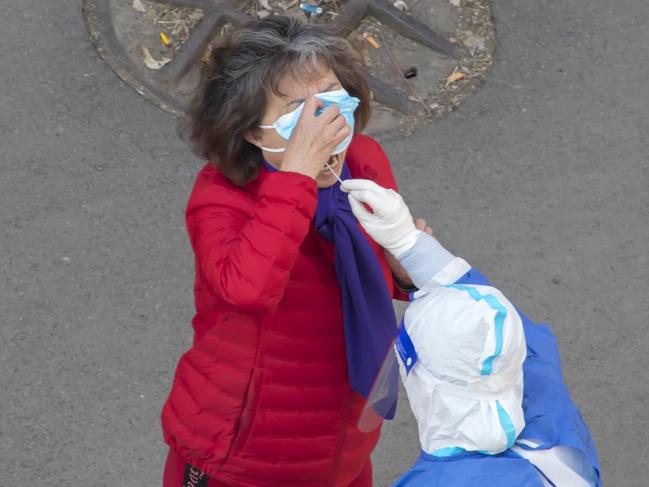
[382, 401]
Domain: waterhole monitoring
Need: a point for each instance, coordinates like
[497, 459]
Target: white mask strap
[268, 149]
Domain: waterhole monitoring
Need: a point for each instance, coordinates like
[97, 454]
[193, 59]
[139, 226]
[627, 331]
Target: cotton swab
[333, 172]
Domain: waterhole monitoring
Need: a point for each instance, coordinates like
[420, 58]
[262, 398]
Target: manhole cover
[424, 56]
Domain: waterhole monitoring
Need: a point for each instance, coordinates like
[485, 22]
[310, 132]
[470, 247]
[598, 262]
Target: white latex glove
[391, 225]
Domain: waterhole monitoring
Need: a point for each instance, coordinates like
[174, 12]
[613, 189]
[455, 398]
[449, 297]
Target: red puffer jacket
[262, 397]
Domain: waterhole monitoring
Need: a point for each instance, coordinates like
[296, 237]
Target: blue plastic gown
[550, 416]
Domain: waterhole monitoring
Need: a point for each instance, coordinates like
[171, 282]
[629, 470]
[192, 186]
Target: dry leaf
[455, 3]
[263, 14]
[400, 5]
[139, 6]
[152, 63]
[454, 76]
[265, 5]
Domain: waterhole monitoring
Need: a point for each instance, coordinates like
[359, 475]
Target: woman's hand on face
[314, 138]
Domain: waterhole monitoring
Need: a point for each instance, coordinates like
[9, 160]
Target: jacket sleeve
[246, 257]
[378, 167]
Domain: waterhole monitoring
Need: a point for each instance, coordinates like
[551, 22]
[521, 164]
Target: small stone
[139, 6]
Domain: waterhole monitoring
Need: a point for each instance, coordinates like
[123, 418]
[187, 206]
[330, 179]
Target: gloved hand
[391, 225]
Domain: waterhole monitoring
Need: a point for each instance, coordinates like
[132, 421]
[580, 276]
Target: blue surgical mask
[346, 104]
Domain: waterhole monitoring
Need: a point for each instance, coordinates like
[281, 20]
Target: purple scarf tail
[368, 315]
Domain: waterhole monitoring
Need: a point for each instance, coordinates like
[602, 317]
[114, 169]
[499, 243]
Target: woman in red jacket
[293, 299]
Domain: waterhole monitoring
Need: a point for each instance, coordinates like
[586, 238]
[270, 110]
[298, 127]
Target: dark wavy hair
[245, 65]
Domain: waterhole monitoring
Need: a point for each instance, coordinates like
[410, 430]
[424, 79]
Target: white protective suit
[461, 349]
[463, 376]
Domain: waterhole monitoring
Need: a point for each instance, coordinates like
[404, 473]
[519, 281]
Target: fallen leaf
[263, 14]
[152, 63]
[139, 6]
[455, 3]
[265, 5]
[400, 5]
[454, 76]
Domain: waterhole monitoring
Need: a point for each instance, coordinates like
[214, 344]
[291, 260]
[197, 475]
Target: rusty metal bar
[410, 27]
[192, 50]
[391, 97]
[202, 4]
[350, 16]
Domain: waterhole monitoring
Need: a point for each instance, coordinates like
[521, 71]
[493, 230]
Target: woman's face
[296, 92]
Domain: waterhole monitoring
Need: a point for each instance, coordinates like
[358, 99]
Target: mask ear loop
[268, 149]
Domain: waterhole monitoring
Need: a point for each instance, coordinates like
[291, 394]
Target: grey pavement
[539, 180]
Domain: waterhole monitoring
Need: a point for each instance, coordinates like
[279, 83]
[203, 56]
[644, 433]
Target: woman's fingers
[329, 125]
[344, 130]
[420, 224]
[330, 113]
[312, 102]
[337, 123]
[341, 129]
[337, 130]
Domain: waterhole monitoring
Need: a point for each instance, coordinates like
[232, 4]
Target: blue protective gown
[550, 417]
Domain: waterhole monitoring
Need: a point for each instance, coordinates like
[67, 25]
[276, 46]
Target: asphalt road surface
[539, 180]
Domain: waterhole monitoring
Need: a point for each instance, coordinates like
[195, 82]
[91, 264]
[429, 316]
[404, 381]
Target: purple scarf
[368, 315]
